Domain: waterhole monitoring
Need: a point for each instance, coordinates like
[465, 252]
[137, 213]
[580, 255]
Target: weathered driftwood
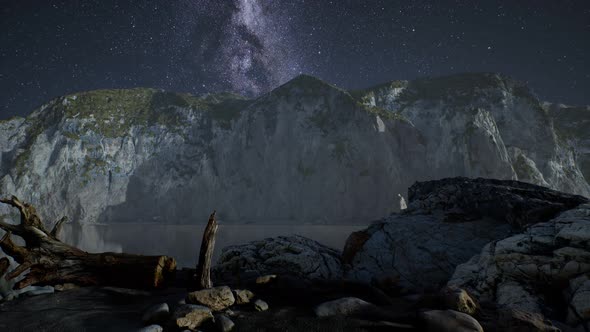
[203, 277]
[50, 261]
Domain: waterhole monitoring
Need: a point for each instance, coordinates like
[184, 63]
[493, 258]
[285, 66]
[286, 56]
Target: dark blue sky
[52, 48]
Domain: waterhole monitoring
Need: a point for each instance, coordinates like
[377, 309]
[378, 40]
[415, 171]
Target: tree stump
[203, 276]
[50, 261]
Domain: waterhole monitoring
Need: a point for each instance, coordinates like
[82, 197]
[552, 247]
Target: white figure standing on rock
[402, 203]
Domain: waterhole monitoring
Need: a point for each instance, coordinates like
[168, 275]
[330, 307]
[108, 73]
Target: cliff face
[305, 152]
[487, 125]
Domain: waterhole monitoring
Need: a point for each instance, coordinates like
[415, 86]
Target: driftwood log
[49, 261]
[203, 276]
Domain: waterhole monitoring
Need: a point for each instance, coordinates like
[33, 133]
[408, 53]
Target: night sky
[52, 48]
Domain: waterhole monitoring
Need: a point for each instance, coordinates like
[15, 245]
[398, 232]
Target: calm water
[183, 241]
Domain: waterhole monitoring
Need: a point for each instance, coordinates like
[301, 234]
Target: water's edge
[183, 241]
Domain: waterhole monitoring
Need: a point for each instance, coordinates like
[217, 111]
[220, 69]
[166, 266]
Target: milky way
[251, 44]
[57, 47]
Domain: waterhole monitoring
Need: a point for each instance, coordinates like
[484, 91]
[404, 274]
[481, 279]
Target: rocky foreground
[466, 255]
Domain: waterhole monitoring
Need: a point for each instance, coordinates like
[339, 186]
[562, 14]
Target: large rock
[191, 316]
[446, 223]
[157, 313]
[513, 202]
[449, 321]
[305, 152]
[217, 298]
[459, 300]
[525, 271]
[348, 306]
[243, 296]
[579, 308]
[284, 255]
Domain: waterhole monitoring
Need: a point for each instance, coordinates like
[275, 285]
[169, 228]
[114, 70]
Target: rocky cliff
[305, 152]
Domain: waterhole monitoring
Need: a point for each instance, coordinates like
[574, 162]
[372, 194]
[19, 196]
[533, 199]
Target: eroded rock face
[525, 271]
[418, 252]
[294, 256]
[447, 222]
[513, 202]
[305, 152]
[492, 126]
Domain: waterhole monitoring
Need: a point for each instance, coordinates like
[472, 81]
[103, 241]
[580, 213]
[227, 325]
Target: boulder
[579, 308]
[417, 252]
[458, 299]
[447, 222]
[266, 279]
[295, 256]
[156, 314]
[217, 298]
[65, 287]
[348, 306]
[151, 328]
[243, 296]
[449, 321]
[224, 324]
[514, 202]
[191, 316]
[260, 305]
[525, 271]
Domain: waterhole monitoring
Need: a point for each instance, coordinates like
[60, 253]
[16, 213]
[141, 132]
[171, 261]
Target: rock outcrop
[484, 124]
[543, 270]
[305, 152]
[293, 256]
[447, 222]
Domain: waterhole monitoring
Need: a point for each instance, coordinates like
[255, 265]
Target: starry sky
[52, 48]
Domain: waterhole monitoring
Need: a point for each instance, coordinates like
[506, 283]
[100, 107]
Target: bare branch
[58, 226]
[205, 254]
[4, 264]
[11, 249]
[16, 229]
[18, 271]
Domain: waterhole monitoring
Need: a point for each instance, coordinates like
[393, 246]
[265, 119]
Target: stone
[151, 328]
[548, 254]
[449, 321]
[447, 222]
[65, 287]
[506, 201]
[243, 296]
[191, 316]
[458, 299]
[579, 308]
[216, 298]
[512, 294]
[260, 305]
[266, 279]
[293, 256]
[348, 306]
[157, 313]
[224, 323]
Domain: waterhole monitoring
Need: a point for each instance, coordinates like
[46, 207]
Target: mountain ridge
[306, 152]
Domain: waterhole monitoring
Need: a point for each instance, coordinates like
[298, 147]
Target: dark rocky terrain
[467, 255]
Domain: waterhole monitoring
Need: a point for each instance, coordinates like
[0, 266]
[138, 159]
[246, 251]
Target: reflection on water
[183, 241]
